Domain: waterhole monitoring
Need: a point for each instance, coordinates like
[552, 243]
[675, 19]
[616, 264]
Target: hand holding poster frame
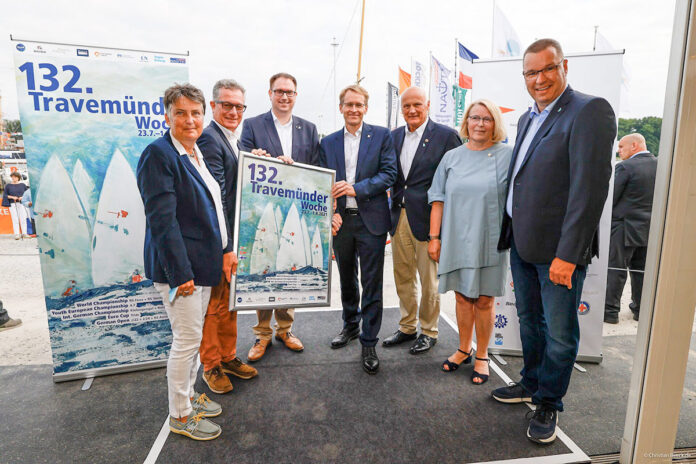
[283, 234]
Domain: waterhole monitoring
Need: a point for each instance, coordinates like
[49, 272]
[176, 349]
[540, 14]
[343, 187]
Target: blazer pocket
[192, 233]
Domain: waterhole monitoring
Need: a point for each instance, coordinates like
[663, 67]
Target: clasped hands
[229, 267]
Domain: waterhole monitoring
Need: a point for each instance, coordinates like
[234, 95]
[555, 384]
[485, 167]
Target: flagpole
[362, 27]
[430, 64]
[493, 30]
[594, 45]
[456, 55]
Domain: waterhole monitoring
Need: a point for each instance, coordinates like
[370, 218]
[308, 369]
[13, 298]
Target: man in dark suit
[420, 145]
[557, 186]
[219, 144]
[634, 183]
[186, 250]
[280, 134]
[365, 163]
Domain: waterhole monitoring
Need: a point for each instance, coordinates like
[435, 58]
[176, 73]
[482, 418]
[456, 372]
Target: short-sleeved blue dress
[472, 185]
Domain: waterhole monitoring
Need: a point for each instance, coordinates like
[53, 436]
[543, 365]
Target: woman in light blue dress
[468, 199]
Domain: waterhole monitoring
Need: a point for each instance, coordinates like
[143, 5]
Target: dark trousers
[623, 257]
[549, 328]
[4, 317]
[354, 245]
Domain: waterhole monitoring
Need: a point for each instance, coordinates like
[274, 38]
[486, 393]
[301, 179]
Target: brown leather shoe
[238, 368]
[217, 381]
[290, 341]
[258, 350]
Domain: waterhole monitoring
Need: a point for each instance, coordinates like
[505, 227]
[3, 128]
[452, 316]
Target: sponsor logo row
[85, 52]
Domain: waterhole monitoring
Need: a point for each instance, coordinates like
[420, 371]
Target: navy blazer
[437, 140]
[182, 237]
[634, 184]
[260, 132]
[374, 174]
[560, 189]
[222, 162]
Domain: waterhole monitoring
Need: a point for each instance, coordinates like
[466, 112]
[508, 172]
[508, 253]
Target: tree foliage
[649, 127]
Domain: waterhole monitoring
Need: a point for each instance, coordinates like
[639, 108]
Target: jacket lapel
[365, 140]
[340, 156]
[423, 145]
[297, 132]
[399, 137]
[272, 133]
[224, 139]
[187, 163]
[521, 133]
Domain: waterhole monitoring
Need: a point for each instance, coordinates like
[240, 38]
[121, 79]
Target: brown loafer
[258, 350]
[217, 381]
[238, 368]
[290, 341]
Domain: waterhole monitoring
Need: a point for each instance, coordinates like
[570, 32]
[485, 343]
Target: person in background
[468, 199]
[12, 198]
[6, 322]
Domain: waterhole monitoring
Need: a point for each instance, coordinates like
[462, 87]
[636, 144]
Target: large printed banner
[283, 235]
[500, 81]
[87, 113]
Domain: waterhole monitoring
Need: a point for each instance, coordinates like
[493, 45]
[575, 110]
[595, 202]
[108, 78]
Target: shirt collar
[180, 148]
[358, 133]
[535, 109]
[229, 133]
[639, 153]
[419, 130]
[277, 121]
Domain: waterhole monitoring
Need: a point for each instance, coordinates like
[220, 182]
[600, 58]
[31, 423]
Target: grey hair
[176, 91]
[229, 84]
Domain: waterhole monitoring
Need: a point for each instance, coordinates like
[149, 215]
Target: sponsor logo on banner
[125, 56]
[39, 49]
[509, 303]
[177, 60]
[584, 308]
[60, 51]
[500, 321]
[271, 299]
[512, 286]
[82, 52]
[498, 338]
[311, 298]
[321, 297]
[102, 54]
[239, 299]
[143, 58]
[160, 59]
[21, 47]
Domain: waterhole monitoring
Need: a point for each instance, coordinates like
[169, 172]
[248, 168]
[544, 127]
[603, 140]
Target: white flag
[441, 100]
[603, 45]
[418, 76]
[505, 40]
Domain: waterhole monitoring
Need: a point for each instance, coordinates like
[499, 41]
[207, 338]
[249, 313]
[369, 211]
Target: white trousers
[186, 316]
[18, 214]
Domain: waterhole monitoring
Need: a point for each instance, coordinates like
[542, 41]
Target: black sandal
[477, 375]
[452, 366]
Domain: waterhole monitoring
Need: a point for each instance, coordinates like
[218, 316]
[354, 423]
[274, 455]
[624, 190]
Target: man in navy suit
[365, 163]
[219, 144]
[557, 186]
[634, 183]
[186, 250]
[420, 145]
[280, 134]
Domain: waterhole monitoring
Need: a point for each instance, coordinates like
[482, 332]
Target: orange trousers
[219, 342]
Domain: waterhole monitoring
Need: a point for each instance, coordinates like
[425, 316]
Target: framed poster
[282, 235]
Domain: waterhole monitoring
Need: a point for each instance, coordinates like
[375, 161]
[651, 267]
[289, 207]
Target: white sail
[291, 253]
[305, 241]
[317, 252]
[119, 227]
[63, 233]
[85, 189]
[265, 248]
[279, 220]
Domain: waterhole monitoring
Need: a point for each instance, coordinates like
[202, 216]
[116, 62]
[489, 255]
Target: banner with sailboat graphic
[87, 113]
[283, 235]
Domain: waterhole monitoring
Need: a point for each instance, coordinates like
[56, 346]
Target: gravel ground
[22, 295]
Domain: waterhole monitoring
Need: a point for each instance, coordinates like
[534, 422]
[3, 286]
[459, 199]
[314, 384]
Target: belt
[352, 211]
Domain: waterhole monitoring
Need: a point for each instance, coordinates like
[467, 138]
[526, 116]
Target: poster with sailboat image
[283, 234]
[87, 114]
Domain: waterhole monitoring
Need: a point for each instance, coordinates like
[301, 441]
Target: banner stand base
[101, 371]
[518, 353]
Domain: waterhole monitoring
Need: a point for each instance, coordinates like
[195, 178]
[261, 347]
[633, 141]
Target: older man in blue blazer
[365, 163]
[280, 134]
[186, 250]
[420, 145]
[557, 186]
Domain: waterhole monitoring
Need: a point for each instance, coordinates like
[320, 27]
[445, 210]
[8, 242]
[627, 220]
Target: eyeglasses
[549, 70]
[281, 92]
[476, 119]
[351, 105]
[227, 106]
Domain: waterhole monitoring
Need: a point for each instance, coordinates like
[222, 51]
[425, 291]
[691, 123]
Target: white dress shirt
[284, 134]
[232, 137]
[351, 145]
[197, 160]
[410, 146]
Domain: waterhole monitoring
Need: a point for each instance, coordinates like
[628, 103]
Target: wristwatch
[433, 237]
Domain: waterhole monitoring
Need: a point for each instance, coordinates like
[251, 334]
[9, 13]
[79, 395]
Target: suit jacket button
[405, 187]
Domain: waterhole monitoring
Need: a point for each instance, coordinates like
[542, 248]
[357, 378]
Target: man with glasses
[280, 134]
[365, 163]
[219, 144]
[557, 186]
